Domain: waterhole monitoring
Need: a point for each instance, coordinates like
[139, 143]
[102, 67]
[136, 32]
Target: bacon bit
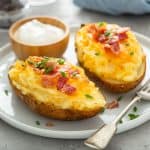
[113, 104]
[37, 59]
[50, 64]
[102, 38]
[54, 66]
[49, 81]
[102, 30]
[73, 72]
[49, 124]
[37, 70]
[68, 89]
[93, 30]
[110, 43]
[122, 36]
[115, 48]
[61, 82]
[123, 30]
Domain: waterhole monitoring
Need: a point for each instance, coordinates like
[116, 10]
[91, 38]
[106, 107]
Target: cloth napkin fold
[116, 7]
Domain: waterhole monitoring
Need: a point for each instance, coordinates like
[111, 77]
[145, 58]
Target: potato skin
[115, 88]
[49, 110]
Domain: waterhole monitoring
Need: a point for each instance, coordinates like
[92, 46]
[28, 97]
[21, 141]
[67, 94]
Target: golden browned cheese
[127, 66]
[28, 82]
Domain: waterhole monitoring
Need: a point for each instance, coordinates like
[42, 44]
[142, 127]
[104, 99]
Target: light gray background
[136, 139]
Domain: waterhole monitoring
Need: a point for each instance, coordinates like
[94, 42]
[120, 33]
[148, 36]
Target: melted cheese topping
[106, 65]
[28, 82]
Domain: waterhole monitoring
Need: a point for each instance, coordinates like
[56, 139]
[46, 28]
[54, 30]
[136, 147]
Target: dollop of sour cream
[37, 33]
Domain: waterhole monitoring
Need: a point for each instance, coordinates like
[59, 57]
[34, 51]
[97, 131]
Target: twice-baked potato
[55, 88]
[112, 54]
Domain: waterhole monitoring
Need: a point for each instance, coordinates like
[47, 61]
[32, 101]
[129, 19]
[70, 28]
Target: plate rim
[82, 134]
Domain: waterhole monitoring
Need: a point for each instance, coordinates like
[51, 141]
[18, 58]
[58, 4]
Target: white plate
[15, 113]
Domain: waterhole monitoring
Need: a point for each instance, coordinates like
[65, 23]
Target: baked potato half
[112, 54]
[55, 88]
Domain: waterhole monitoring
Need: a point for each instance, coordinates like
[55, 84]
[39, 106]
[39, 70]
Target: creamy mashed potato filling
[120, 64]
[28, 77]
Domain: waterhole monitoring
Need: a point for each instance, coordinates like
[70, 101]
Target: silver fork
[100, 139]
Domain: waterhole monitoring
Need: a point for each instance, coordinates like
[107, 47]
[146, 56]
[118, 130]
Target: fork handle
[100, 139]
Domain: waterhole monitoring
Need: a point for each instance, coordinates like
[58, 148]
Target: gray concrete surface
[136, 139]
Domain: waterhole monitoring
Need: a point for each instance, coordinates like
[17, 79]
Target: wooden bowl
[56, 49]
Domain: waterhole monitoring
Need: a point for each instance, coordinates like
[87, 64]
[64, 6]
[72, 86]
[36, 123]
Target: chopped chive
[97, 54]
[37, 122]
[61, 61]
[45, 57]
[63, 74]
[74, 74]
[42, 63]
[120, 121]
[119, 98]
[6, 92]
[88, 96]
[132, 116]
[127, 44]
[30, 62]
[135, 109]
[103, 109]
[131, 53]
[107, 33]
[48, 70]
[101, 24]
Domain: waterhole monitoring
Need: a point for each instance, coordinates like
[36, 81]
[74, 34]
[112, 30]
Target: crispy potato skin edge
[50, 111]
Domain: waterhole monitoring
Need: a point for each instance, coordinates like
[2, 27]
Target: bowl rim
[27, 19]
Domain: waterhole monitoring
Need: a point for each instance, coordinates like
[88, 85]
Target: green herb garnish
[101, 24]
[135, 109]
[61, 61]
[131, 53]
[97, 54]
[46, 58]
[127, 44]
[48, 70]
[119, 98]
[6, 92]
[107, 33]
[132, 116]
[42, 63]
[63, 74]
[103, 110]
[88, 96]
[37, 122]
[74, 74]
[120, 121]
[30, 62]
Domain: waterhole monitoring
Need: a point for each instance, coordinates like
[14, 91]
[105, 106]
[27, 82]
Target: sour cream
[37, 33]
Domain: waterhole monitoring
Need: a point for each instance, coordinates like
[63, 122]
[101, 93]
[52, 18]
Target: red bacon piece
[61, 82]
[112, 105]
[102, 38]
[113, 46]
[54, 67]
[49, 80]
[68, 89]
[122, 33]
[122, 36]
